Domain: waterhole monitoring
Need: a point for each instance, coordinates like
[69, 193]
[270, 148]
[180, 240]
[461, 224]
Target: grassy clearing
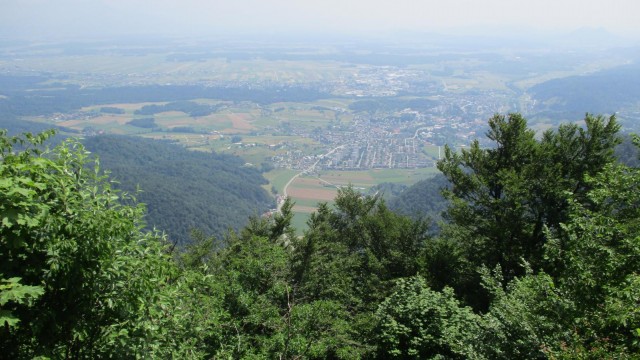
[310, 203]
[402, 176]
[305, 209]
[368, 178]
[299, 222]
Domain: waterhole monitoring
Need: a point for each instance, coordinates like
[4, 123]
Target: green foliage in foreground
[420, 323]
[74, 260]
[80, 278]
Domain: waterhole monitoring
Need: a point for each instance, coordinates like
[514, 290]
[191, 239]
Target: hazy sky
[81, 18]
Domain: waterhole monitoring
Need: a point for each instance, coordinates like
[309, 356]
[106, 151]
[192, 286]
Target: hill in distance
[601, 92]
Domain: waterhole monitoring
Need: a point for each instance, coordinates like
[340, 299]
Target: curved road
[309, 169]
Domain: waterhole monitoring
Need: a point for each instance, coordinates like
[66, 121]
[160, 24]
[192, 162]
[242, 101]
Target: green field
[307, 191]
[299, 222]
[255, 133]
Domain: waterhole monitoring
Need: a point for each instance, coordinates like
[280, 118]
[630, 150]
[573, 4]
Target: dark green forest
[183, 190]
[411, 202]
[145, 123]
[187, 107]
[538, 259]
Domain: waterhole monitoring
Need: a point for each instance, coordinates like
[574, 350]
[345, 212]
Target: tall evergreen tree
[503, 197]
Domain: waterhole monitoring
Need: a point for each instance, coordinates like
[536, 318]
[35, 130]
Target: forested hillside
[601, 92]
[183, 190]
[539, 259]
[422, 199]
[627, 153]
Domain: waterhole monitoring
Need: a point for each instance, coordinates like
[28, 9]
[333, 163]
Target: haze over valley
[319, 180]
[341, 111]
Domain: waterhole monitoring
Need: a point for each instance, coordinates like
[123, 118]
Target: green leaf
[8, 318]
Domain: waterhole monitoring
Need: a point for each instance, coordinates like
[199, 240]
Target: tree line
[31, 98]
[538, 258]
